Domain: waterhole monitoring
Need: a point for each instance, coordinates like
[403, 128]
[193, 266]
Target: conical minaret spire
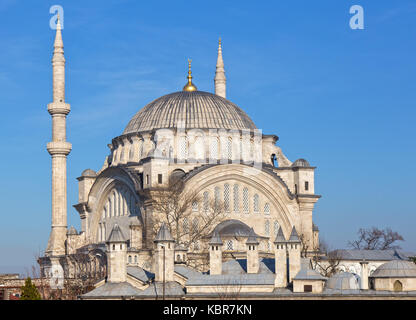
[58, 148]
[220, 79]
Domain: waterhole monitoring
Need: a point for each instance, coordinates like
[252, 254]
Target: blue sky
[343, 99]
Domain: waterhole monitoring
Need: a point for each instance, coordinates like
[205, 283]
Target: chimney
[164, 255]
[252, 245]
[280, 259]
[293, 248]
[215, 254]
[116, 256]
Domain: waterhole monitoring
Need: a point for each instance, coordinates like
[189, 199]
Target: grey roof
[301, 163]
[164, 235]
[280, 237]
[309, 274]
[233, 227]
[215, 239]
[239, 266]
[186, 271]
[372, 255]
[189, 110]
[116, 235]
[113, 289]
[252, 238]
[140, 274]
[232, 279]
[155, 289]
[396, 268]
[343, 281]
[294, 236]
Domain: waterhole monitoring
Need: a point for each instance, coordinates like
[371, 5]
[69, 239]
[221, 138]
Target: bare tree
[376, 239]
[326, 261]
[189, 217]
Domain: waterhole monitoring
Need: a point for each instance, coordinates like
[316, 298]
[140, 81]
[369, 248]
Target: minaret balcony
[59, 108]
[59, 148]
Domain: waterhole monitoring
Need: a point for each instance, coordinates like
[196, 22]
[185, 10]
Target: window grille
[267, 208]
[227, 197]
[245, 200]
[236, 200]
[256, 203]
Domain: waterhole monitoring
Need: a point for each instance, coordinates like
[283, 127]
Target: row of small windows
[267, 227]
[246, 149]
[236, 200]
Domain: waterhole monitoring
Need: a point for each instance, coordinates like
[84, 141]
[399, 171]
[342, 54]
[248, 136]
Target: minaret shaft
[58, 148]
[220, 80]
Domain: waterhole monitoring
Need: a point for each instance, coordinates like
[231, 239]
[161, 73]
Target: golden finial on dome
[189, 86]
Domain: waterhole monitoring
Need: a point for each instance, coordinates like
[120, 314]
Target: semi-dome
[396, 269]
[190, 110]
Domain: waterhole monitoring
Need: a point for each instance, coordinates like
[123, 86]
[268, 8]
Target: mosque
[194, 201]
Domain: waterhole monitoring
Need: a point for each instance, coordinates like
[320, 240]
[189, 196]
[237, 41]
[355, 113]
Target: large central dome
[190, 110]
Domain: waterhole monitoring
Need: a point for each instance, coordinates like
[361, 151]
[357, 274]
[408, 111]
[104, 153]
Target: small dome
[343, 281]
[396, 269]
[72, 231]
[231, 228]
[300, 163]
[88, 173]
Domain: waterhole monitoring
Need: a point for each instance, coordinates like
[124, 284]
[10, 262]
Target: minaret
[220, 79]
[58, 149]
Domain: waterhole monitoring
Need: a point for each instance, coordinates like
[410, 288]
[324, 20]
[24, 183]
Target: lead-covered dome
[190, 110]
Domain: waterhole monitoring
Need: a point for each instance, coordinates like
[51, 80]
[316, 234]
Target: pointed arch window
[213, 150]
[275, 227]
[206, 201]
[183, 147]
[245, 200]
[230, 245]
[266, 208]
[217, 196]
[236, 200]
[256, 206]
[185, 225]
[227, 197]
[267, 228]
[230, 148]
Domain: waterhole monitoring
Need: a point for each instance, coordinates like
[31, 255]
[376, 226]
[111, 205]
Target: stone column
[364, 275]
[215, 254]
[58, 148]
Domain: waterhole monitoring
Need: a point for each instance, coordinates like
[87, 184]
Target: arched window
[236, 200]
[213, 150]
[185, 225]
[267, 208]
[227, 197]
[195, 206]
[267, 228]
[135, 259]
[397, 286]
[196, 246]
[256, 205]
[217, 195]
[131, 153]
[245, 200]
[230, 245]
[206, 201]
[199, 148]
[129, 259]
[183, 147]
[195, 225]
[230, 148]
[275, 227]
